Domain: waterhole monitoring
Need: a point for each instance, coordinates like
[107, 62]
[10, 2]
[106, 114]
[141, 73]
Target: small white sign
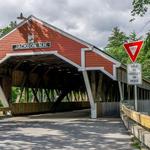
[134, 74]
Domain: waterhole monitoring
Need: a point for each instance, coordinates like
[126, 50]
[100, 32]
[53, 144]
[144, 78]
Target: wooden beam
[120, 91]
[3, 98]
[141, 119]
[35, 94]
[90, 95]
[18, 65]
[93, 84]
[47, 94]
[59, 99]
[22, 88]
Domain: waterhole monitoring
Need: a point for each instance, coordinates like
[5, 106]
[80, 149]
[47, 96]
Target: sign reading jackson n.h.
[31, 44]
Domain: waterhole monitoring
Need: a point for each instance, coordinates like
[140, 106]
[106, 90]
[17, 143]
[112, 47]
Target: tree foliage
[115, 42]
[8, 28]
[115, 48]
[140, 7]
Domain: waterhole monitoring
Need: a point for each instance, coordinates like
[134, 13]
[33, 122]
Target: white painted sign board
[134, 75]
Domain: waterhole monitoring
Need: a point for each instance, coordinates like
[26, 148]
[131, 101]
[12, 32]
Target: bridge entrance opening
[43, 83]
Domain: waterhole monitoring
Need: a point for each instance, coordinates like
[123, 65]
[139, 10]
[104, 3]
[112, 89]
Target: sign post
[134, 73]
[134, 78]
[135, 97]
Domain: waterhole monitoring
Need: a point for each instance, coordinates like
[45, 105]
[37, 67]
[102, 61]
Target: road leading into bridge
[65, 131]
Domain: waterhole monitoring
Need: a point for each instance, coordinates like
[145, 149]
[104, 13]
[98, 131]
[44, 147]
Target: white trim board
[118, 64]
[88, 47]
[90, 95]
[9, 55]
[3, 98]
[40, 53]
[18, 26]
[83, 59]
[61, 31]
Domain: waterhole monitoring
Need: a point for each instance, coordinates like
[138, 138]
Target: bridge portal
[52, 70]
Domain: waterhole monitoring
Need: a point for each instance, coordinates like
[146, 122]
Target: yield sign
[133, 49]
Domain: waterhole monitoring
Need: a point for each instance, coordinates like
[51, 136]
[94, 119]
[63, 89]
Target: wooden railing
[141, 119]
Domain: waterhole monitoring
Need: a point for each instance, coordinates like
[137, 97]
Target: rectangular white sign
[134, 74]
[31, 45]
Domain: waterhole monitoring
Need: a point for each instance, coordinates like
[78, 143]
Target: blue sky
[90, 20]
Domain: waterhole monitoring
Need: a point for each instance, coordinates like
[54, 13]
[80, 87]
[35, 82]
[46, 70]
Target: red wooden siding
[94, 60]
[65, 46]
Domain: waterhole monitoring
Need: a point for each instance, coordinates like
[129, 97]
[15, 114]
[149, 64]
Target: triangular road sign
[133, 49]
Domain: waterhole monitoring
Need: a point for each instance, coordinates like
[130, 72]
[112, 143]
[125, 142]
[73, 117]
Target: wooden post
[3, 98]
[93, 84]
[6, 85]
[120, 91]
[99, 88]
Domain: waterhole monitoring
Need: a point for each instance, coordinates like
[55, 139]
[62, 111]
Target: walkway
[65, 131]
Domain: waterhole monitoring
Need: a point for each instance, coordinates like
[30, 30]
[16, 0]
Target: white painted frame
[90, 95]
[3, 98]
[90, 47]
[9, 55]
[115, 65]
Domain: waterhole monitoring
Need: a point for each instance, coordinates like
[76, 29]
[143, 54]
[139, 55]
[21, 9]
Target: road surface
[63, 131]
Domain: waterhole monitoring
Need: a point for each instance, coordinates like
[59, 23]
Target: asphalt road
[63, 131]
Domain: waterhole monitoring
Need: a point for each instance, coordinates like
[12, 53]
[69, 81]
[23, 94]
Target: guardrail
[141, 119]
[143, 105]
[137, 123]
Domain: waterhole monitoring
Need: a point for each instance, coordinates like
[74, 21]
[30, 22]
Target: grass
[136, 143]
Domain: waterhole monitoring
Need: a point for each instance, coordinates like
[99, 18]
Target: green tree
[115, 49]
[145, 55]
[140, 7]
[8, 28]
[115, 45]
[133, 37]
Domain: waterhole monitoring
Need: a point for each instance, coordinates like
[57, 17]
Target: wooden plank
[143, 120]
[99, 88]
[35, 95]
[93, 84]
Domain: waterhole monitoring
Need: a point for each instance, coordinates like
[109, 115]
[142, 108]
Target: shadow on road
[46, 132]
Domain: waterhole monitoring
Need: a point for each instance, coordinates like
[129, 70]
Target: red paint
[95, 60]
[66, 46]
[127, 46]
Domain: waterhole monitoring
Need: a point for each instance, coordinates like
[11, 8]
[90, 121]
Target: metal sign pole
[135, 97]
[134, 76]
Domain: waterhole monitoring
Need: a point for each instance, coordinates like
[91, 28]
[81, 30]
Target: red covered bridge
[54, 71]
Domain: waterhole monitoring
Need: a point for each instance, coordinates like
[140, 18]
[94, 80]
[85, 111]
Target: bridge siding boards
[95, 60]
[66, 46]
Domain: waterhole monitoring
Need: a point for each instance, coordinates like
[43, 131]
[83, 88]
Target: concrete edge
[139, 132]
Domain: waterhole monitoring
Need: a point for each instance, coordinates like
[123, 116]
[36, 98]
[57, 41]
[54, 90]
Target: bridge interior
[46, 83]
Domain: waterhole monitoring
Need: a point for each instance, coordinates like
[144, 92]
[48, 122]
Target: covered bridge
[50, 66]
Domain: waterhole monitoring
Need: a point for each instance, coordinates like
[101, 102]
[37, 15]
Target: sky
[89, 20]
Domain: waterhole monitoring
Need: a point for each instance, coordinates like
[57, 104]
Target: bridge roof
[47, 40]
[76, 52]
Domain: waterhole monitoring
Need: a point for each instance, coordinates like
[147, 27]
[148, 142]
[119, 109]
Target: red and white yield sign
[133, 49]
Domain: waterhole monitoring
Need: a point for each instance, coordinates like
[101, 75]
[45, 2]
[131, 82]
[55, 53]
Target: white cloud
[89, 20]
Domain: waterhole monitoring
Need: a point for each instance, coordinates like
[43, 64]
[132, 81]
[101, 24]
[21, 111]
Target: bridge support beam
[90, 95]
[3, 98]
[121, 91]
[5, 91]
